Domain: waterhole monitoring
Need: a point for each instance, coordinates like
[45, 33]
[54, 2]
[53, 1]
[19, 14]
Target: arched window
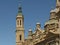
[20, 22]
[17, 22]
[20, 37]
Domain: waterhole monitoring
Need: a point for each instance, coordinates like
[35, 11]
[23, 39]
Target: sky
[33, 10]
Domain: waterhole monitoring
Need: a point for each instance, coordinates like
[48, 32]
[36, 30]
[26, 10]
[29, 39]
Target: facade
[49, 36]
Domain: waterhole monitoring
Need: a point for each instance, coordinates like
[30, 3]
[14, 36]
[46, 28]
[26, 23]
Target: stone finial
[30, 32]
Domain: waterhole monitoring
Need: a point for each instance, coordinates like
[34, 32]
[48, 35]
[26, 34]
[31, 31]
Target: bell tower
[19, 27]
[57, 3]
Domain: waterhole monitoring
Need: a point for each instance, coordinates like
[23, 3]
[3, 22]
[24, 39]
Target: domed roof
[30, 29]
[55, 10]
[52, 11]
[37, 23]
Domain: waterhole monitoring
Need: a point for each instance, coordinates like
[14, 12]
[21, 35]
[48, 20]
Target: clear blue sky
[33, 11]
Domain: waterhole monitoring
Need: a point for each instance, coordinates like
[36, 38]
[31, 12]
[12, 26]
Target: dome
[55, 10]
[52, 11]
[30, 29]
[37, 23]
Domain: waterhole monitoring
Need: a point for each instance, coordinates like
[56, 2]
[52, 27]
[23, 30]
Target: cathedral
[49, 36]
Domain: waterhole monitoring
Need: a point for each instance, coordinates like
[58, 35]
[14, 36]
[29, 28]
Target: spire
[20, 6]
